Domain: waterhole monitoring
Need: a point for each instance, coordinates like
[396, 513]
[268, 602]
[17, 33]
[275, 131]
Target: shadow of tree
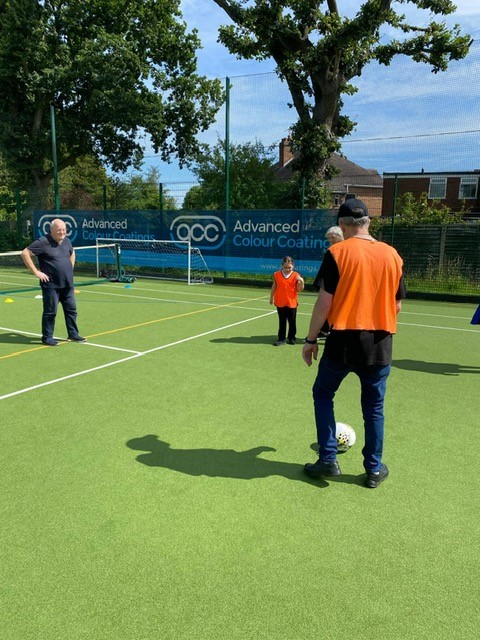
[437, 368]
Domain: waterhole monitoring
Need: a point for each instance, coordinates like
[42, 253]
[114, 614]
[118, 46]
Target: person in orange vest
[284, 295]
[361, 292]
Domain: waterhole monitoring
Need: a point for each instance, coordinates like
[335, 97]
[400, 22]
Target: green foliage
[253, 182]
[114, 71]
[138, 192]
[313, 193]
[81, 186]
[318, 52]
[412, 211]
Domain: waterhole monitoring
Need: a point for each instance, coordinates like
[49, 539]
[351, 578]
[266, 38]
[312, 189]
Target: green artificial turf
[163, 496]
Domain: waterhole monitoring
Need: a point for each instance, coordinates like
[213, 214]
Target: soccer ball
[345, 436]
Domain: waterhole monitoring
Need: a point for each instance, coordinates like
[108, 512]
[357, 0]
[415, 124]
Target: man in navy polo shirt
[56, 259]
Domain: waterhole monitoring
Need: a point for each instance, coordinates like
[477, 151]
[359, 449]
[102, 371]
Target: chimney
[284, 152]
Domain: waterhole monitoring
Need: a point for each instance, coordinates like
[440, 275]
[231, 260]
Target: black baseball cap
[352, 208]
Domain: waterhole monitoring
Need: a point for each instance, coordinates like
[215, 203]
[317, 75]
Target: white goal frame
[180, 261]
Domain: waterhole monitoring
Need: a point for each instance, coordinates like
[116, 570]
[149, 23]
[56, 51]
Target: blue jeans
[51, 298]
[373, 381]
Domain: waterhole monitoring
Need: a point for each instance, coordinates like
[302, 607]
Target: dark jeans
[287, 314]
[373, 381]
[51, 298]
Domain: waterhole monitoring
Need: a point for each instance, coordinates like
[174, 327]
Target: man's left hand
[309, 351]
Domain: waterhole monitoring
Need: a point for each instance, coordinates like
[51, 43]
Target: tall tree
[113, 70]
[318, 52]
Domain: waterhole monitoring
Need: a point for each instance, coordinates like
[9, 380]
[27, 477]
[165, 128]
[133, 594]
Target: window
[438, 188]
[468, 188]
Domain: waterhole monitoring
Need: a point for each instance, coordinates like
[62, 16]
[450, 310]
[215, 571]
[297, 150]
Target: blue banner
[230, 241]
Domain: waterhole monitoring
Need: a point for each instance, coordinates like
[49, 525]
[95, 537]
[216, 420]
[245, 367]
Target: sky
[408, 118]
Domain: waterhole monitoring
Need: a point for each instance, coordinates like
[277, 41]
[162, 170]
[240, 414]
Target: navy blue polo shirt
[54, 260]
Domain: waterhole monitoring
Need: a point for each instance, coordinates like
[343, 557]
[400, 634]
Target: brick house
[457, 190]
[352, 180]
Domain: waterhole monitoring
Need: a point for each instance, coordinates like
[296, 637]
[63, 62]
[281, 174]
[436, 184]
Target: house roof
[350, 174]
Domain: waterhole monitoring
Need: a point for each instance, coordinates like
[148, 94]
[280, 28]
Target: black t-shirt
[54, 260]
[359, 347]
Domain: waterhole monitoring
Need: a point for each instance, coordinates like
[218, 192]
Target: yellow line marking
[42, 346]
[180, 315]
[140, 324]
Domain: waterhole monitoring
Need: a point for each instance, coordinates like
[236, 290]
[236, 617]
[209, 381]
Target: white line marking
[105, 346]
[206, 333]
[136, 355]
[72, 375]
[23, 333]
[432, 326]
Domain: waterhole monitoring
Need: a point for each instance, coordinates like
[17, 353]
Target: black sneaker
[49, 342]
[374, 478]
[291, 341]
[279, 343]
[76, 339]
[321, 469]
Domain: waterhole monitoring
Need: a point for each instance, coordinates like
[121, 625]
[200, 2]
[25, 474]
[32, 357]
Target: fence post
[441, 253]
[54, 157]
[394, 209]
[227, 143]
[160, 196]
[18, 206]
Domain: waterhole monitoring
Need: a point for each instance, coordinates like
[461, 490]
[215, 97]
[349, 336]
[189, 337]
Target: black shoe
[374, 478]
[49, 342]
[291, 341]
[321, 469]
[279, 343]
[76, 339]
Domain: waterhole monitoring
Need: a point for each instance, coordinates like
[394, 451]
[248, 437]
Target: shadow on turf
[17, 338]
[224, 463]
[437, 368]
[246, 340]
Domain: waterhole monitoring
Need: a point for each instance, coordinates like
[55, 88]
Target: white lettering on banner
[307, 242]
[252, 241]
[267, 227]
[283, 242]
[104, 224]
[115, 235]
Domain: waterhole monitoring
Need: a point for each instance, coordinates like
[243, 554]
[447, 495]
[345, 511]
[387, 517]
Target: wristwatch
[311, 341]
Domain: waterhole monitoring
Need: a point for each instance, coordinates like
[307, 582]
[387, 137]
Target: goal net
[92, 265]
[161, 259]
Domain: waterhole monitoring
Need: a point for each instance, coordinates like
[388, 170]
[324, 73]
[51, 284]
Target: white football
[345, 435]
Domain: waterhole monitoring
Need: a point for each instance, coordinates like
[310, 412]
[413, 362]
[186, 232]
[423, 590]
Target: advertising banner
[230, 241]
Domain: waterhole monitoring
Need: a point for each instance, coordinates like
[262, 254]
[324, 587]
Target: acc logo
[204, 232]
[70, 222]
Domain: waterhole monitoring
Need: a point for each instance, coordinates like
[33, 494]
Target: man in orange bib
[360, 296]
